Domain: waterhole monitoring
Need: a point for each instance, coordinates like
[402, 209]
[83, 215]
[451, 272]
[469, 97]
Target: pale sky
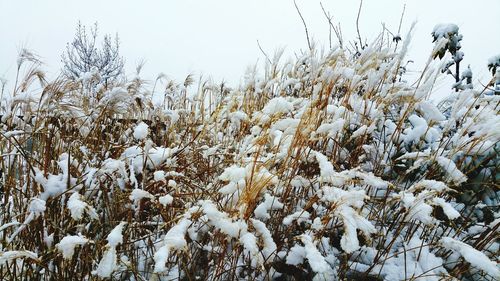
[219, 38]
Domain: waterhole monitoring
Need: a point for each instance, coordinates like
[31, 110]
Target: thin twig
[267, 57]
[329, 26]
[399, 28]
[357, 24]
[305, 26]
[337, 31]
[401, 20]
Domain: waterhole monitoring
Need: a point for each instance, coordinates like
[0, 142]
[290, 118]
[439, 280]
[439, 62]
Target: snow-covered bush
[328, 167]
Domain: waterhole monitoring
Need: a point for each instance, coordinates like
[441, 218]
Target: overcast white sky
[218, 38]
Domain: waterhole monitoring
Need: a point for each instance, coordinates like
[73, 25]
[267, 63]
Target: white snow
[299, 216]
[331, 129]
[108, 262]
[220, 219]
[494, 60]
[13, 133]
[417, 208]
[269, 247]
[53, 185]
[473, 256]
[451, 170]
[139, 194]
[325, 167]
[419, 129]
[430, 112]
[346, 202]
[166, 200]
[352, 222]
[37, 206]
[236, 118]
[235, 176]
[448, 209]
[68, 244]
[115, 95]
[359, 132]
[277, 105]
[159, 175]
[249, 242]
[12, 255]
[270, 203]
[296, 255]
[418, 262]
[210, 151]
[434, 185]
[77, 207]
[439, 45]
[445, 30]
[172, 114]
[115, 237]
[174, 240]
[314, 257]
[467, 73]
[141, 131]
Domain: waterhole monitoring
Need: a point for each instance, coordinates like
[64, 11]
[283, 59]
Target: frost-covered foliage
[329, 167]
[83, 59]
[447, 38]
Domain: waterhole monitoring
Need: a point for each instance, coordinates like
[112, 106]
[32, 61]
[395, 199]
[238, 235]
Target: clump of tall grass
[327, 167]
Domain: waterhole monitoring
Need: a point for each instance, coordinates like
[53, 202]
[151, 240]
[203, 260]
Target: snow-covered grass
[329, 167]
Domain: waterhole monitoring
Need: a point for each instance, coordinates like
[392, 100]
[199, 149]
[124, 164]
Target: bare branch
[267, 57]
[335, 29]
[357, 24]
[305, 26]
[401, 20]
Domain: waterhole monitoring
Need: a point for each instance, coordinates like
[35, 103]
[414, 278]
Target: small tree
[452, 45]
[83, 56]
